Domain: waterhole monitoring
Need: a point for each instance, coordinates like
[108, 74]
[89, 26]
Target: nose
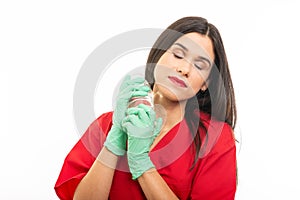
[184, 67]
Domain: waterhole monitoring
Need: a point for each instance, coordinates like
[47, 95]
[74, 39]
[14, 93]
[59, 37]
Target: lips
[177, 81]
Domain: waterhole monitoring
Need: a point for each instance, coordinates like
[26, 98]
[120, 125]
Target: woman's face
[184, 68]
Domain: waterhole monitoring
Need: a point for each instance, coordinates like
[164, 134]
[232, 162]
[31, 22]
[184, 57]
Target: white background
[43, 45]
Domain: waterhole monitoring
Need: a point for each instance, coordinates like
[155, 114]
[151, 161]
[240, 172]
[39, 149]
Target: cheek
[166, 60]
[166, 88]
[171, 93]
[198, 80]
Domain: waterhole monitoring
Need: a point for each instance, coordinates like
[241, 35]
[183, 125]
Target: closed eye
[178, 53]
[198, 66]
[179, 56]
[202, 64]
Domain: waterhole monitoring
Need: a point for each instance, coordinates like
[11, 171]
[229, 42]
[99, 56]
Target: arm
[79, 160]
[154, 187]
[97, 182]
[142, 127]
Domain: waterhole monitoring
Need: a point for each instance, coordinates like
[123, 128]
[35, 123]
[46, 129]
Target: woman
[189, 153]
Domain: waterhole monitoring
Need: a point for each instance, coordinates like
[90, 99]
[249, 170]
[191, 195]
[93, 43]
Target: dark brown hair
[218, 100]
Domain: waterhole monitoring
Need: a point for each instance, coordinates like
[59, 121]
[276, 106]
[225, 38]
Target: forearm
[97, 182]
[154, 186]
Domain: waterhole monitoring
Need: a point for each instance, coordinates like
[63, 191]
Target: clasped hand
[141, 127]
[138, 126]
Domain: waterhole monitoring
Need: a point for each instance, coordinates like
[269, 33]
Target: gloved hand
[116, 139]
[141, 127]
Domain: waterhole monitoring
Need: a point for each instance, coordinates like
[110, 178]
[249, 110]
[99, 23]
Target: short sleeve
[81, 157]
[216, 174]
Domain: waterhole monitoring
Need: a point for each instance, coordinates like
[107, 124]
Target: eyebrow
[186, 49]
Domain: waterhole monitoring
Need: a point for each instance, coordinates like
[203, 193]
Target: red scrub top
[212, 177]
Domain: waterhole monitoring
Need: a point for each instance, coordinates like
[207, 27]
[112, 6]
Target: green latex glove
[116, 139]
[141, 127]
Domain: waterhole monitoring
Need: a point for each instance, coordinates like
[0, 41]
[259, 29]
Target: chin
[175, 96]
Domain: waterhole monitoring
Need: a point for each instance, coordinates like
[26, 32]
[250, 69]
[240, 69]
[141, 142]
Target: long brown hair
[218, 100]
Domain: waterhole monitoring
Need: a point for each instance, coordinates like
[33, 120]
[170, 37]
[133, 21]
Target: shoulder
[101, 124]
[96, 133]
[105, 116]
[105, 121]
[219, 135]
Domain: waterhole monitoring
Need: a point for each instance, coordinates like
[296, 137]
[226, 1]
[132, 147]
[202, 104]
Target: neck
[172, 112]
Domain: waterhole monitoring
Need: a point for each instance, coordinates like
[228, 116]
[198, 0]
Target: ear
[205, 85]
[203, 88]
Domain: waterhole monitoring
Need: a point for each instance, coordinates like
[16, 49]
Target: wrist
[116, 141]
[107, 158]
[139, 164]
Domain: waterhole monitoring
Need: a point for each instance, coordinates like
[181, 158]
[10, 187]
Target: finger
[133, 91]
[126, 120]
[138, 94]
[152, 115]
[132, 111]
[124, 83]
[132, 120]
[149, 110]
[145, 107]
[145, 88]
[137, 80]
[126, 123]
[128, 81]
[135, 111]
[138, 87]
[142, 116]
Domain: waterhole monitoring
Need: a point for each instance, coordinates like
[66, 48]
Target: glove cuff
[114, 149]
[139, 164]
[113, 143]
[107, 158]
